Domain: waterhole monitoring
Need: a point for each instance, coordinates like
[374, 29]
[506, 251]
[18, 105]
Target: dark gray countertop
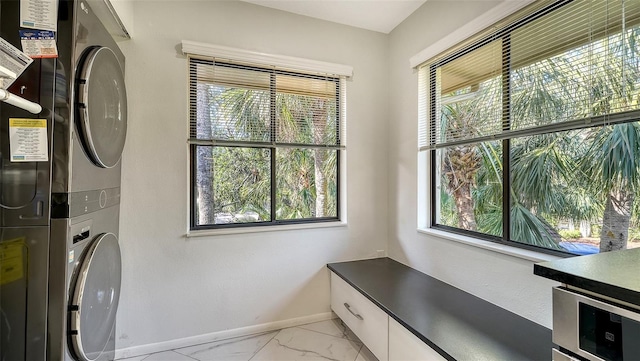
[457, 324]
[614, 274]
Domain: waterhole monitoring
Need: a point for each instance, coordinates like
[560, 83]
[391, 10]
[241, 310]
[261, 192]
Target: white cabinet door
[364, 318]
[405, 346]
[124, 9]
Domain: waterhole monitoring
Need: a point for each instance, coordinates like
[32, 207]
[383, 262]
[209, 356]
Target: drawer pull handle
[353, 313]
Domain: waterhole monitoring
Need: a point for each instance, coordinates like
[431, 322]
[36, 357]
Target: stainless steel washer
[85, 313]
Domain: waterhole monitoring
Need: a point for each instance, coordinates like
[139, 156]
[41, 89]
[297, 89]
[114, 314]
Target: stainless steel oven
[586, 327]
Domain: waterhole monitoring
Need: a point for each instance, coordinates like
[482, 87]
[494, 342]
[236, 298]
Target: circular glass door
[102, 107]
[95, 297]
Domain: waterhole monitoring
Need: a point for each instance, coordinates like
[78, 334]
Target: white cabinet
[405, 346]
[124, 9]
[383, 335]
[116, 16]
[364, 318]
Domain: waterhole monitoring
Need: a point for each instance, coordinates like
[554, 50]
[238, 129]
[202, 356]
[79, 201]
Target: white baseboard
[220, 335]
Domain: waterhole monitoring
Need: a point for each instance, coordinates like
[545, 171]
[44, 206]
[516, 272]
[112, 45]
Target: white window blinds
[552, 66]
[237, 104]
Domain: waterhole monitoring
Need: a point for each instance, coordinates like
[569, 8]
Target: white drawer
[405, 346]
[365, 319]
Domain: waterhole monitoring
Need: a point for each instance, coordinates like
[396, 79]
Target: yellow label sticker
[28, 140]
[27, 123]
[11, 260]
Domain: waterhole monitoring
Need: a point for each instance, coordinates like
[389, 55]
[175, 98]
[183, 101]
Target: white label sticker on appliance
[28, 140]
[39, 43]
[12, 63]
[39, 14]
[72, 256]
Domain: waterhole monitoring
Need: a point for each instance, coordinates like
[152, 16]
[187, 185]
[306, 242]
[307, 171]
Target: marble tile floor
[321, 341]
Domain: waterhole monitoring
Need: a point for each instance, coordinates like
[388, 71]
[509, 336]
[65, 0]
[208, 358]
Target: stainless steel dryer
[91, 127]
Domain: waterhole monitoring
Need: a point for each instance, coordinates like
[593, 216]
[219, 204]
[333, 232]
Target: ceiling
[376, 15]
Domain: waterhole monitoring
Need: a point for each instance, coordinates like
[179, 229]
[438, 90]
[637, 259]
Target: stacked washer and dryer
[76, 196]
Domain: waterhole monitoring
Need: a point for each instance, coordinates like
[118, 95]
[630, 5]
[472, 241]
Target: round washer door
[95, 298]
[102, 107]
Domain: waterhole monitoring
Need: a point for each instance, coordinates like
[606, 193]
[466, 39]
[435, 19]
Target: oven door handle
[561, 356]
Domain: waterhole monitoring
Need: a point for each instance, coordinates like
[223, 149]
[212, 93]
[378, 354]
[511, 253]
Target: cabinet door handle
[346, 305]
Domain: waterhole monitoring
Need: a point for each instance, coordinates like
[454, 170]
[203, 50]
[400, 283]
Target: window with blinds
[265, 144]
[532, 129]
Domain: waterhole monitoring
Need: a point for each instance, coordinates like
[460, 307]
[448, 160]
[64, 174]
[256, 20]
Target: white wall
[504, 280]
[175, 287]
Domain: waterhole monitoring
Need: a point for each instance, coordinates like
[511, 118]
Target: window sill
[491, 246]
[259, 229]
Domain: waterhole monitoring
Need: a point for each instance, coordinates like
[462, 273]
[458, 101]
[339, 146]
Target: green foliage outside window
[587, 178]
[275, 154]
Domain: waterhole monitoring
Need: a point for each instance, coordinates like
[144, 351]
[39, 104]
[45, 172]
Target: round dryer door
[95, 298]
[102, 106]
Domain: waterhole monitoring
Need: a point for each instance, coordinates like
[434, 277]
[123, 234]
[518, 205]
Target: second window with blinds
[533, 134]
[265, 145]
